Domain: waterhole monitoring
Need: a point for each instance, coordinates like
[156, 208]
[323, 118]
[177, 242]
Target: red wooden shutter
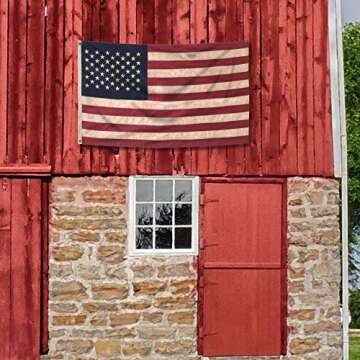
[20, 267]
[242, 269]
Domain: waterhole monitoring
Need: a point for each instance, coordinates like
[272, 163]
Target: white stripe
[126, 120]
[193, 135]
[194, 72]
[166, 105]
[185, 89]
[199, 55]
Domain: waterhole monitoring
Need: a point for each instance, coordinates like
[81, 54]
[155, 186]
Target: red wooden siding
[20, 267]
[242, 263]
[290, 100]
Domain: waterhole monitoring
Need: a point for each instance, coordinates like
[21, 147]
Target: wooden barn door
[242, 308]
[23, 209]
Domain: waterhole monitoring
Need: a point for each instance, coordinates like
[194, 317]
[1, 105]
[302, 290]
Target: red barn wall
[290, 88]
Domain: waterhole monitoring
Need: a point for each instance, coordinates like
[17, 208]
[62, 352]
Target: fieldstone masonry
[106, 305]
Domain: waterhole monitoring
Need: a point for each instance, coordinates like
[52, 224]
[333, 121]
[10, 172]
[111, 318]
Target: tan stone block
[304, 314]
[57, 333]
[89, 272]
[95, 307]
[330, 237]
[172, 303]
[187, 331]
[334, 341]
[66, 253]
[120, 333]
[61, 271]
[296, 201]
[67, 320]
[111, 254]
[153, 317]
[63, 196]
[295, 287]
[87, 333]
[297, 186]
[77, 346]
[72, 290]
[108, 348]
[325, 211]
[322, 326]
[104, 196]
[184, 317]
[136, 305]
[148, 287]
[155, 332]
[306, 255]
[316, 197]
[299, 240]
[136, 348]
[64, 308]
[333, 198]
[109, 291]
[175, 347]
[298, 213]
[296, 272]
[182, 287]
[116, 237]
[85, 236]
[99, 320]
[334, 311]
[121, 319]
[117, 272]
[84, 211]
[143, 271]
[175, 270]
[89, 224]
[303, 346]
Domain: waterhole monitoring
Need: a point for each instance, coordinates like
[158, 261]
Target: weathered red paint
[290, 127]
[242, 244]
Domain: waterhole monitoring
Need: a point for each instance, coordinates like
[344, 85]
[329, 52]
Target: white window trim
[132, 251]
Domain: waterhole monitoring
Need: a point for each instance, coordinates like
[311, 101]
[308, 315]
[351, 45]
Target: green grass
[355, 348]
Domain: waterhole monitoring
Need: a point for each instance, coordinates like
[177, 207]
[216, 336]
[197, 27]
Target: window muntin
[163, 215]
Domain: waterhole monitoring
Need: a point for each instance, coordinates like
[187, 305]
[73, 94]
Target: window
[163, 215]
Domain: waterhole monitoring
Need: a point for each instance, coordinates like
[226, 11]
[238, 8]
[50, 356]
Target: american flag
[163, 96]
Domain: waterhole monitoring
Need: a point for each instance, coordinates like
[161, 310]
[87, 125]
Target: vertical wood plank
[4, 22]
[216, 22]
[35, 81]
[305, 87]
[5, 267]
[288, 135]
[54, 94]
[25, 268]
[73, 12]
[108, 33]
[181, 35]
[44, 266]
[199, 35]
[252, 34]
[271, 92]
[163, 35]
[17, 82]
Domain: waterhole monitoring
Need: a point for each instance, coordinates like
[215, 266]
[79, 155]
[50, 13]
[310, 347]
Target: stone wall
[104, 305]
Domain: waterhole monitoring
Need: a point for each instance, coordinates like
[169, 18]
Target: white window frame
[132, 251]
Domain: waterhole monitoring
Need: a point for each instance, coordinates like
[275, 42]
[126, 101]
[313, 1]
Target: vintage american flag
[163, 95]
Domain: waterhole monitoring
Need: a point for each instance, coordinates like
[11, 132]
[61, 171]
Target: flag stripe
[180, 89]
[165, 105]
[166, 144]
[198, 80]
[193, 72]
[196, 63]
[191, 135]
[164, 128]
[200, 95]
[196, 48]
[158, 121]
[101, 110]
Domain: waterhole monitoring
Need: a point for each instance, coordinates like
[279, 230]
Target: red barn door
[242, 269]
[22, 220]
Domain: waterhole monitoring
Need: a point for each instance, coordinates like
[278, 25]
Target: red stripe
[101, 110]
[167, 144]
[178, 64]
[165, 128]
[197, 47]
[198, 80]
[200, 95]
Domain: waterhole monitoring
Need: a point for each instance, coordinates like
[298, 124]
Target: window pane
[183, 214]
[144, 214]
[182, 238]
[183, 190]
[163, 214]
[163, 190]
[163, 239]
[144, 190]
[144, 238]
